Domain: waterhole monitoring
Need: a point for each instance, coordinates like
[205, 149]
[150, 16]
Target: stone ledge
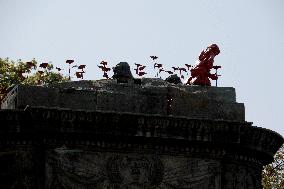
[49, 123]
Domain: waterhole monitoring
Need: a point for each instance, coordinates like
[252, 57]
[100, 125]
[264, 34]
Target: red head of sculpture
[214, 48]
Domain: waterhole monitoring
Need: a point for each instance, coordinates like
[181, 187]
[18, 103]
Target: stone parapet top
[150, 96]
[226, 94]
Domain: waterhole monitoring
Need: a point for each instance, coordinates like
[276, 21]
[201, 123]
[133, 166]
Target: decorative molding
[184, 135]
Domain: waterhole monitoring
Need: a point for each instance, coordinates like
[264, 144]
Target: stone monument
[123, 134]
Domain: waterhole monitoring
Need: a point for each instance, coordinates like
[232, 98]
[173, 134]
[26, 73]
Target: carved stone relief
[69, 168]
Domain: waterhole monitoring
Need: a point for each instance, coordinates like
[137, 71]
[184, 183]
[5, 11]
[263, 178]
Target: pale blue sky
[250, 35]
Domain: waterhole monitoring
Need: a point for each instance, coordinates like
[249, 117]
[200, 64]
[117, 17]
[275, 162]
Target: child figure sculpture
[200, 73]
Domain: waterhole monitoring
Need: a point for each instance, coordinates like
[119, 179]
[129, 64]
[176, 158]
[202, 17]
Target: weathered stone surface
[153, 96]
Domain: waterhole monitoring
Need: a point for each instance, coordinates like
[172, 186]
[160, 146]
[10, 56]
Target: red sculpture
[200, 73]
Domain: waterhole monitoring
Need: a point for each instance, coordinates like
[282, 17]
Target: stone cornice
[227, 138]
